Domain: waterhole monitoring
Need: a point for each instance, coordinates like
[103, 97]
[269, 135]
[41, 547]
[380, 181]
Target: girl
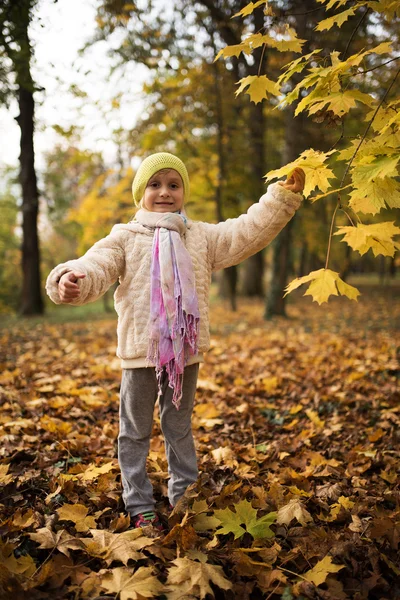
[164, 262]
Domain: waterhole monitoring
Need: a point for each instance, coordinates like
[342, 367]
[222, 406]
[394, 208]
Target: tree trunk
[254, 266]
[229, 283]
[303, 260]
[31, 300]
[295, 142]
[276, 303]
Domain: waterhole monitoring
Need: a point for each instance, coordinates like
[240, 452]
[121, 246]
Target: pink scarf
[174, 312]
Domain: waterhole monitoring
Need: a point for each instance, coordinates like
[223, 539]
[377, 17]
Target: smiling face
[164, 192]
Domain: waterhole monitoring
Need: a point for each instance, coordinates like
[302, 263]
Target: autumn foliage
[297, 430]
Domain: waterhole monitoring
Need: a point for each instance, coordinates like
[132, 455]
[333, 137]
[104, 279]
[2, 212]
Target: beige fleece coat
[125, 255]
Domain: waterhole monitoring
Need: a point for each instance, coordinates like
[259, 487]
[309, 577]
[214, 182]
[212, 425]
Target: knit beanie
[152, 164]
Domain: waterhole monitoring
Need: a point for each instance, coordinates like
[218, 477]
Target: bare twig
[261, 59]
[378, 66]
[330, 234]
[355, 31]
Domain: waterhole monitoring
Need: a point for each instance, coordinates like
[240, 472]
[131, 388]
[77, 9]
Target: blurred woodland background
[54, 211]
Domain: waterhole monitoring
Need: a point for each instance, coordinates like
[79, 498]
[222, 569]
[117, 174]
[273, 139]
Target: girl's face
[164, 192]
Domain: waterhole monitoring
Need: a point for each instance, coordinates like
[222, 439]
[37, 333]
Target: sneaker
[148, 518]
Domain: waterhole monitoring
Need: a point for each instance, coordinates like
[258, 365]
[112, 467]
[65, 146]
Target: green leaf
[245, 519]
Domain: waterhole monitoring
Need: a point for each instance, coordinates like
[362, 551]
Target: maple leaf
[322, 569]
[4, 477]
[314, 418]
[189, 578]
[92, 471]
[234, 50]
[245, 514]
[23, 565]
[258, 87]
[249, 8]
[203, 522]
[224, 456]
[296, 66]
[377, 237]
[77, 513]
[338, 19]
[293, 510]
[324, 283]
[339, 102]
[131, 586]
[61, 540]
[313, 164]
[370, 197]
[372, 166]
[116, 546]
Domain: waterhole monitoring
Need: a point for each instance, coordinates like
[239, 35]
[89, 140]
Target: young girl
[164, 262]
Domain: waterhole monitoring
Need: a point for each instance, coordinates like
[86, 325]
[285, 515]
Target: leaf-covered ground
[297, 426]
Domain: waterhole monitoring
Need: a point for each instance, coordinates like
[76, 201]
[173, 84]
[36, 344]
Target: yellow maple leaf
[258, 87]
[322, 569]
[249, 8]
[377, 237]
[293, 510]
[189, 578]
[313, 164]
[92, 471]
[116, 546]
[314, 418]
[340, 102]
[331, 3]
[61, 540]
[324, 283]
[370, 197]
[4, 477]
[370, 167]
[338, 19]
[283, 42]
[77, 513]
[21, 565]
[141, 584]
[234, 50]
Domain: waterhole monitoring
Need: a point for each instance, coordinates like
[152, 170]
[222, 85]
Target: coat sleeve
[232, 241]
[102, 264]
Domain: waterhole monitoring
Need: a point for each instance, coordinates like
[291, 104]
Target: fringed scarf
[174, 311]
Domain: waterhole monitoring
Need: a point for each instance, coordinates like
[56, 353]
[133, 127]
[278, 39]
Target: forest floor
[297, 428]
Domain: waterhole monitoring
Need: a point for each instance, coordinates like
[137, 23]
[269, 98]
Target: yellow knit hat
[152, 164]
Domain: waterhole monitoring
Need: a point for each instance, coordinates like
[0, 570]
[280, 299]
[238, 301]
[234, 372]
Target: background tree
[16, 80]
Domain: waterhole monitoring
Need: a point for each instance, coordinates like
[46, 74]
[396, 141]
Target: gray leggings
[137, 399]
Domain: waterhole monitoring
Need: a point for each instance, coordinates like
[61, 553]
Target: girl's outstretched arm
[102, 264]
[232, 241]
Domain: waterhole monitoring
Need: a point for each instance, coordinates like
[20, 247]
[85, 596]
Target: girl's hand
[296, 182]
[68, 289]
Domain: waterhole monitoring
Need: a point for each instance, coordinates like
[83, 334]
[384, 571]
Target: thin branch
[339, 139]
[378, 66]
[368, 127]
[355, 31]
[348, 216]
[330, 235]
[287, 14]
[261, 59]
